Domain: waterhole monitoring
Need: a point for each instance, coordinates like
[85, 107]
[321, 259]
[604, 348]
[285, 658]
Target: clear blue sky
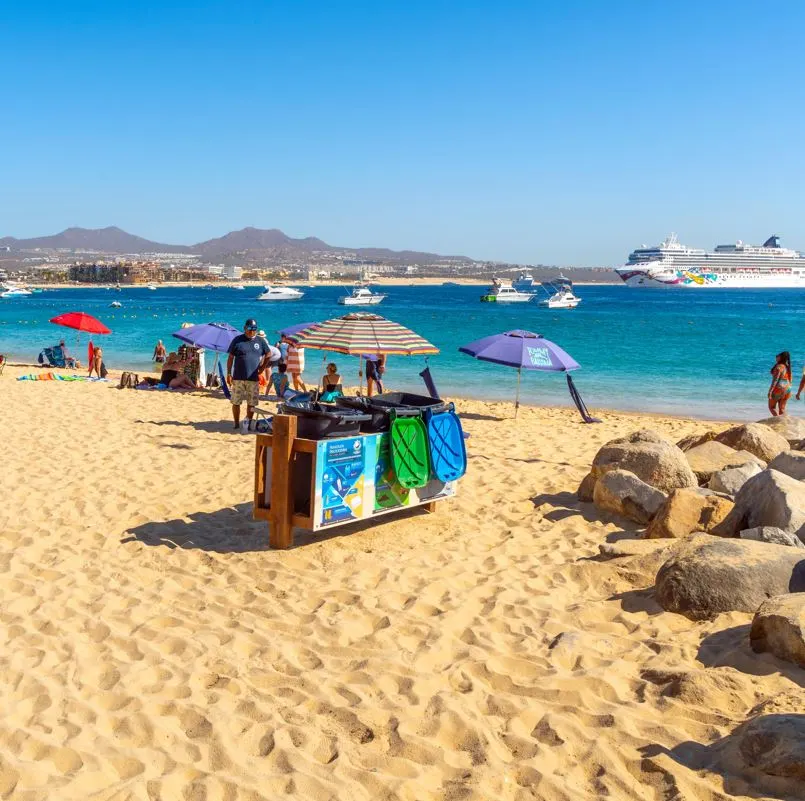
[558, 132]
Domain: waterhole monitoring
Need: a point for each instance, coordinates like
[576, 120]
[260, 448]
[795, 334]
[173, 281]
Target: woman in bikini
[780, 389]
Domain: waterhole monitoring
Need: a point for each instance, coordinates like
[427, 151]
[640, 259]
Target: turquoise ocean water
[698, 352]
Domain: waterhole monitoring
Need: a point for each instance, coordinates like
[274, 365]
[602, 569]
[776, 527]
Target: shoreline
[312, 284]
[489, 401]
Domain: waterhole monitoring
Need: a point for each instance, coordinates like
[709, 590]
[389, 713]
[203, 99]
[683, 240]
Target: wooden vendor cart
[317, 484]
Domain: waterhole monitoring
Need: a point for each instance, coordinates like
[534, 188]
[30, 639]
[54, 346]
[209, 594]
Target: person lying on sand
[172, 375]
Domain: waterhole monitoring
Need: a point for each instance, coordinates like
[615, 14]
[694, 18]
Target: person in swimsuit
[780, 389]
[160, 354]
[96, 363]
[172, 375]
[279, 380]
[331, 379]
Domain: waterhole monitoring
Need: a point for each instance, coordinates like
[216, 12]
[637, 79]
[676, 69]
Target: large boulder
[773, 535]
[792, 463]
[792, 428]
[651, 458]
[710, 457]
[707, 575]
[686, 511]
[775, 745]
[693, 440]
[624, 494]
[755, 438]
[730, 481]
[779, 627]
[768, 499]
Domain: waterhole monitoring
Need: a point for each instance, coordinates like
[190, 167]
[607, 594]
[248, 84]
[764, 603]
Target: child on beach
[279, 380]
[780, 389]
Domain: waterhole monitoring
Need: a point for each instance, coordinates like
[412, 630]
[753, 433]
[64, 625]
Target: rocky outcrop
[692, 441]
[707, 575]
[775, 745]
[654, 460]
[767, 499]
[710, 457]
[755, 438]
[687, 511]
[624, 494]
[770, 534]
[779, 628]
[792, 428]
[730, 481]
[792, 463]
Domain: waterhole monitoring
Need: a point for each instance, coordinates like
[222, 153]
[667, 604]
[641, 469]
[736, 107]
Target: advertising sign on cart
[341, 471]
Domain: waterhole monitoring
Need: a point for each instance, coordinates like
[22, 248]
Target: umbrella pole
[517, 401]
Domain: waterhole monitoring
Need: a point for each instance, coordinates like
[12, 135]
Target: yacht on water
[504, 292]
[563, 296]
[362, 296]
[524, 282]
[740, 266]
[151, 286]
[16, 292]
[280, 293]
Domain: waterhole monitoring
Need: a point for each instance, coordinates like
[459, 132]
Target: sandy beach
[155, 648]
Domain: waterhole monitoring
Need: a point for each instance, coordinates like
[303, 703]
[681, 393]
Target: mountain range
[246, 240]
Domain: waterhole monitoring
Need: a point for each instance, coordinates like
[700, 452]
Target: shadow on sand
[232, 530]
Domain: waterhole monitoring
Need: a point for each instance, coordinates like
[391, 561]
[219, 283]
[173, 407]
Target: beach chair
[580, 404]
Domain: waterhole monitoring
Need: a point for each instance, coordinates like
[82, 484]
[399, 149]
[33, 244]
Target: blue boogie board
[448, 454]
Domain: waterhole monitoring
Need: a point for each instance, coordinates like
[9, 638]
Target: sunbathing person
[172, 375]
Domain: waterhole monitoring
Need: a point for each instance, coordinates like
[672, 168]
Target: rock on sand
[624, 494]
[779, 627]
[755, 438]
[687, 511]
[708, 575]
[654, 460]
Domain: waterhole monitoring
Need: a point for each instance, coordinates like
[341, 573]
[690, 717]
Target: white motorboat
[504, 292]
[239, 286]
[152, 287]
[281, 293]
[115, 304]
[16, 292]
[524, 282]
[562, 297]
[362, 296]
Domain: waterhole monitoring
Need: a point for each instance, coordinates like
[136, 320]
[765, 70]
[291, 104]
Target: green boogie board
[409, 451]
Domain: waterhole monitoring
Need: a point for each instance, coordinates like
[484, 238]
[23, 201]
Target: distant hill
[260, 241]
[106, 240]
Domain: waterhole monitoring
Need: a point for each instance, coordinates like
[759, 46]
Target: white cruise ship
[740, 266]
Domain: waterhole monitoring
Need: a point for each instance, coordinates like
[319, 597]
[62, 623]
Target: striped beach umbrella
[362, 332]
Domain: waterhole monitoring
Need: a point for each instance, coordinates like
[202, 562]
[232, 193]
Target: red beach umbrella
[81, 321]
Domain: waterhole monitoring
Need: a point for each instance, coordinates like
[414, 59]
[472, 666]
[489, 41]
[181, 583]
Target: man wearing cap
[247, 358]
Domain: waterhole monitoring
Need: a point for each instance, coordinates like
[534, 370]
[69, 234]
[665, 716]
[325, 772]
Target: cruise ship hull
[639, 276]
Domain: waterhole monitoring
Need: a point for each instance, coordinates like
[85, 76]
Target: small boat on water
[504, 292]
[115, 304]
[524, 282]
[152, 287]
[362, 296]
[16, 292]
[281, 293]
[239, 286]
[562, 297]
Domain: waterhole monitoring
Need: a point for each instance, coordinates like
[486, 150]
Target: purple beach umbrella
[523, 350]
[210, 336]
[294, 329]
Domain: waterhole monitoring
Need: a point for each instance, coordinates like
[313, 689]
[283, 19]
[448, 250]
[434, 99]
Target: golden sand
[154, 648]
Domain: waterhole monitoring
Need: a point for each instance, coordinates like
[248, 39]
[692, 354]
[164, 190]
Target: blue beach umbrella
[210, 336]
[523, 350]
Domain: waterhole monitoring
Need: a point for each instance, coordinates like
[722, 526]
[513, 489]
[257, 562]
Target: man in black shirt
[248, 355]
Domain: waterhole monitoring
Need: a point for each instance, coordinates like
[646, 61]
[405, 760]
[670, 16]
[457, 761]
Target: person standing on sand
[296, 366]
[248, 355]
[780, 389]
[96, 363]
